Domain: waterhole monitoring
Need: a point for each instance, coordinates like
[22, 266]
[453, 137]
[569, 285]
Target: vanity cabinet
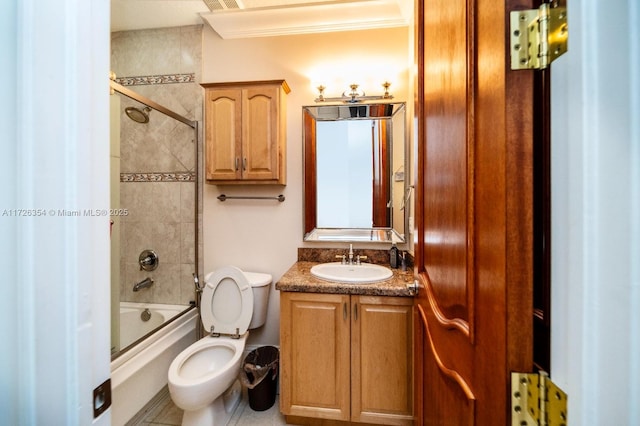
[245, 132]
[346, 358]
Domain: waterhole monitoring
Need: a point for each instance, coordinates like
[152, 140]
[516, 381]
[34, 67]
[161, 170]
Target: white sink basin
[363, 273]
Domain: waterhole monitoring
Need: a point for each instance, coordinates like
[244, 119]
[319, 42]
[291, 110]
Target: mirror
[354, 172]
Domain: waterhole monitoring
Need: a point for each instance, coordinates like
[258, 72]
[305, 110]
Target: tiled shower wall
[158, 161]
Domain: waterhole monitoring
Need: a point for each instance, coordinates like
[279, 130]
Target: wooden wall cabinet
[346, 358]
[245, 132]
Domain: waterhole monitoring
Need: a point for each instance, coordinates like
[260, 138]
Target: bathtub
[133, 327]
[139, 373]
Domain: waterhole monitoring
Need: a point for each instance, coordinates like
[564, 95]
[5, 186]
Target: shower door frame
[115, 87]
[166, 111]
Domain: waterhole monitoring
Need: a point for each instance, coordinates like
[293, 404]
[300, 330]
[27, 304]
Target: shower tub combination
[140, 372]
[150, 335]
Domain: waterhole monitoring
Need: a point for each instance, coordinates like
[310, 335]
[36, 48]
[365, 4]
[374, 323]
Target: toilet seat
[182, 375]
[227, 302]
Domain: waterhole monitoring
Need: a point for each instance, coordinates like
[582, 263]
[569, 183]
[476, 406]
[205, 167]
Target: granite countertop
[299, 279]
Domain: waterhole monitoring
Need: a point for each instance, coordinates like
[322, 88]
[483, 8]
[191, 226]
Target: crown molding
[307, 19]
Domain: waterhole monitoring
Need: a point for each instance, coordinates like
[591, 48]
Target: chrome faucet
[148, 260]
[350, 256]
[147, 282]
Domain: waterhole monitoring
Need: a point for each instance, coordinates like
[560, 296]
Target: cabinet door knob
[237, 163]
[244, 164]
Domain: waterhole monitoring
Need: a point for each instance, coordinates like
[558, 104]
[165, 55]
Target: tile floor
[166, 413]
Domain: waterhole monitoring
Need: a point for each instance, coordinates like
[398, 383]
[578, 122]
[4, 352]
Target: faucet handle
[342, 257]
[148, 260]
[359, 258]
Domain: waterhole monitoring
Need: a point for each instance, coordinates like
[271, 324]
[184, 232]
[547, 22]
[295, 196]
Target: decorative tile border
[158, 177]
[156, 79]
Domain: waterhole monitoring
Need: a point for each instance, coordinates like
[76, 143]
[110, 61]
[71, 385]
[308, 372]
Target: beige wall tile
[167, 283]
[187, 237]
[187, 201]
[146, 52]
[161, 214]
[161, 237]
[187, 287]
[151, 201]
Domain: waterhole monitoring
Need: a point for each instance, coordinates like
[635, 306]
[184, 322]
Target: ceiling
[259, 18]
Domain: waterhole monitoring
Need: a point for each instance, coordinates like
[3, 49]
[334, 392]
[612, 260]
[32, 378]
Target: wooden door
[381, 366]
[473, 213]
[223, 133]
[315, 350]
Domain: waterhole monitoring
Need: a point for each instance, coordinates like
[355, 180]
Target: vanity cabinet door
[382, 367]
[315, 355]
[260, 131]
[245, 132]
[223, 134]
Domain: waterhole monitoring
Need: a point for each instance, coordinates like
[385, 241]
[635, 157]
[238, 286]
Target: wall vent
[216, 5]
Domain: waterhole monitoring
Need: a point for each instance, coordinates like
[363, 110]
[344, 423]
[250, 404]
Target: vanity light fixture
[354, 95]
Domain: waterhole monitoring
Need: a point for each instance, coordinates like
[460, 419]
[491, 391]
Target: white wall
[596, 214]
[263, 236]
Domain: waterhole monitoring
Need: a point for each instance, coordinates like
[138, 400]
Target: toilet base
[219, 412]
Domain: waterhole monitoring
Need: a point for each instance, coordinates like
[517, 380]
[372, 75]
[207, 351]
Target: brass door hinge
[536, 400]
[538, 36]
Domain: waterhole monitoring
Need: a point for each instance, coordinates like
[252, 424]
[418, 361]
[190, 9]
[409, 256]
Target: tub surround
[159, 181]
[158, 164]
[299, 279]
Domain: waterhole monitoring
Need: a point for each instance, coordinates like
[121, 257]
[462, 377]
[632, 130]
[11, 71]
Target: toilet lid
[227, 301]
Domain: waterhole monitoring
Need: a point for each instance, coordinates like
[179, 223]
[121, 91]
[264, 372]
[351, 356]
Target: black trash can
[260, 376]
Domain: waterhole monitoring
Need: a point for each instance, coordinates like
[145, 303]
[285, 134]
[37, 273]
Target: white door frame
[595, 110]
[55, 266]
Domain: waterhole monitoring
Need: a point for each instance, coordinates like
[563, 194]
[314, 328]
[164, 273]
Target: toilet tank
[261, 286]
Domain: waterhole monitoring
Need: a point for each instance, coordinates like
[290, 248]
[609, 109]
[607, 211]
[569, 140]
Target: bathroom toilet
[203, 378]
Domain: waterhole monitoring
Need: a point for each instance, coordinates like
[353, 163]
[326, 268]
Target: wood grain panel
[474, 213]
[315, 347]
[223, 143]
[381, 138]
[382, 366]
[454, 402]
[245, 132]
[448, 169]
[310, 183]
[260, 132]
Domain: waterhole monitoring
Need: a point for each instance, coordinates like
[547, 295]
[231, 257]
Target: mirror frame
[377, 234]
